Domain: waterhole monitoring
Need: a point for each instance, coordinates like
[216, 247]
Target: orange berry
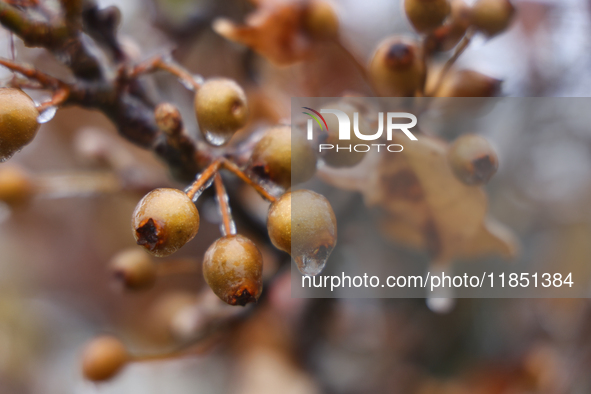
[233, 268]
[472, 159]
[492, 16]
[426, 15]
[164, 220]
[134, 268]
[221, 109]
[18, 121]
[396, 69]
[103, 358]
[283, 158]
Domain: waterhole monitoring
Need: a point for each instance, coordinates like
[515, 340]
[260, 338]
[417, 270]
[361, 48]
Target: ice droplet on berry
[311, 264]
[46, 115]
[216, 139]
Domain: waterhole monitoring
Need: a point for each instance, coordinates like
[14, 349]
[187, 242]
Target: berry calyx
[233, 268]
[134, 269]
[164, 220]
[396, 69]
[221, 109]
[472, 159]
[492, 16]
[103, 358]
[283, 158]
[303, 224]
[426, 15]
[18, 121]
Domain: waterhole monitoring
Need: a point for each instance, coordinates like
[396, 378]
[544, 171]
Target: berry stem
[222, 195]
[425, 53]
[460, 48]
[158, 63]
[210, 171]
[199, 346]
[31, 73]
[233, 168]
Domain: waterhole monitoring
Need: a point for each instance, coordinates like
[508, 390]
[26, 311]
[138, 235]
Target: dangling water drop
[46, 115]
[312, 264]
[216, 139]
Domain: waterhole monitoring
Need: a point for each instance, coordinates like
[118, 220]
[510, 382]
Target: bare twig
[460, 48]
[159, 63]
[222, 196]
[31, 73]
[205, 176]
[233, 168]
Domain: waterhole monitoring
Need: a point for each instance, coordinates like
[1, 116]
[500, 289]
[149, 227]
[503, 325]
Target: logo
[344, 131]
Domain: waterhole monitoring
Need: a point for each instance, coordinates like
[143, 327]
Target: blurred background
[56, 291]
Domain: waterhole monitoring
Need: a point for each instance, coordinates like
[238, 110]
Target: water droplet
[46, 115]
[441, 305]
[199, 79]
[217, 139]
[313, 263]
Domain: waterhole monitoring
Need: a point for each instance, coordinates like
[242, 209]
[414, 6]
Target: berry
[468, 83]
[320, 20]
[221, 109]
[426, 15]
[283, 158]
[103, 358]
[472, 159]
[396, 69]
[16, 187]
[164, 220]
[314, 225]
[492, 16]
[343, 158]
[233, 268]
[134, 269]
[18, 121]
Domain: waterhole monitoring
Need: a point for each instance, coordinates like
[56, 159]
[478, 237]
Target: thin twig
[222, 196]
[460, 48]
[205, 176]
[233, 168]
[158, 63]
[424, 61]
[31, 73]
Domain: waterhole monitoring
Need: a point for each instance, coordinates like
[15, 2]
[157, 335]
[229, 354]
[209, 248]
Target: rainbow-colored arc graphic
[316, 118]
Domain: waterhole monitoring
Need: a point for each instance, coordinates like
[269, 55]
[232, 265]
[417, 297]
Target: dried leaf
[274, 30]
[422, 202]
